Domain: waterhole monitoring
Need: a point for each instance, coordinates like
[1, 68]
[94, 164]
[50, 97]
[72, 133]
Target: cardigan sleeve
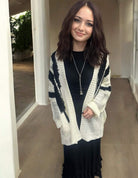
[99, 102]
[52, 97]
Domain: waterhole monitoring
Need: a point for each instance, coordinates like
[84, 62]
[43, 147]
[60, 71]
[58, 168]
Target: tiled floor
[41, 153]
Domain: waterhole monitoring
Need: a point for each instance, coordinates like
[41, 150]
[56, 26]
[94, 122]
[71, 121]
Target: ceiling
[17, 6]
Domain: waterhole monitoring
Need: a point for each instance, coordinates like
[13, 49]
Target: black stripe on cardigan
[52, 95]
[55, 69]
[59, 100]
[51, 77]
[107, 71]
[101, 72]
[106, 88]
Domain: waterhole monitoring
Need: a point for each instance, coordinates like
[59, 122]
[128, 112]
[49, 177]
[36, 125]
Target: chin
[80, 41]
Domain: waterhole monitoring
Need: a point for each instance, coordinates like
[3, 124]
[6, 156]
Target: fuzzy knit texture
[63, 108]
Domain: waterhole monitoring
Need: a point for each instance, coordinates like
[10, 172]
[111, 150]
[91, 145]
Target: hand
[88, 113]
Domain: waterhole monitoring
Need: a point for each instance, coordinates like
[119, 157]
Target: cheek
[89, 32]
[73, 27]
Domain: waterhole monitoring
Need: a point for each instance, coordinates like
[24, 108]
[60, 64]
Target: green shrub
[21, 32]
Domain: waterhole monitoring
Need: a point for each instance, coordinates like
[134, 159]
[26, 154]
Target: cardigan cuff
[58, 123]
[94, 107]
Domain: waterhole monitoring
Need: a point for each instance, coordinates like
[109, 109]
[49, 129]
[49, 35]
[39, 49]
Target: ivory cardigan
[63, 108]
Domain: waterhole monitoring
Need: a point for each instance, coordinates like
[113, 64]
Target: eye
[89, 24]
[76, 20]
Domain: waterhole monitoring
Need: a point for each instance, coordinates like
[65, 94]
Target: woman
[79, 88]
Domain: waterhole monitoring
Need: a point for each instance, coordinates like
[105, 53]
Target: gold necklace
[79, 73]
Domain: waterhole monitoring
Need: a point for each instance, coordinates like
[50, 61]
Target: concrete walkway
[41, 153]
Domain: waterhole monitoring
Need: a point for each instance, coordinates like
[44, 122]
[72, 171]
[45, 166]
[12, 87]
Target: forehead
[85, 13]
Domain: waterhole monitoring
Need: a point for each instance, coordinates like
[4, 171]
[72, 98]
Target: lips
[79, 34]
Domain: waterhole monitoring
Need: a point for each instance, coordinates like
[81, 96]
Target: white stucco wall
[134, 61]
[57, 14]
[110, 15]
[40, 29]
[9, 161]
[126, 36]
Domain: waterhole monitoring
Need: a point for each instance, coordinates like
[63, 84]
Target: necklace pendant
[81, 93]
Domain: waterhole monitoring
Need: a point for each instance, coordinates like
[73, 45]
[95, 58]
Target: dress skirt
[82, 160]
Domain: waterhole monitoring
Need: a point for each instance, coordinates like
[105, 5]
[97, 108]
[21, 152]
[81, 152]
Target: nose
[81, 26]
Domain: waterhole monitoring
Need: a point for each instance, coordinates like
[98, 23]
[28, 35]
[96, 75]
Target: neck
[79, 46]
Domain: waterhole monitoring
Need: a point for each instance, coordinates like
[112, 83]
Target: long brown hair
[96, 45]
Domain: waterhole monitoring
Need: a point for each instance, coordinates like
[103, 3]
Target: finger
[86, 115]
[85, 110]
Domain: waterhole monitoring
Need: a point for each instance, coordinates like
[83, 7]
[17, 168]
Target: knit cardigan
[63, 108]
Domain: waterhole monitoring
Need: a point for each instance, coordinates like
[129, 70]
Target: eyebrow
[87, 20]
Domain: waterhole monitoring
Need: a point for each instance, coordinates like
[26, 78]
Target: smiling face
[82, 27]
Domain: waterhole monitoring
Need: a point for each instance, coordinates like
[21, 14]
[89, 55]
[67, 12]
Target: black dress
[82, 160]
